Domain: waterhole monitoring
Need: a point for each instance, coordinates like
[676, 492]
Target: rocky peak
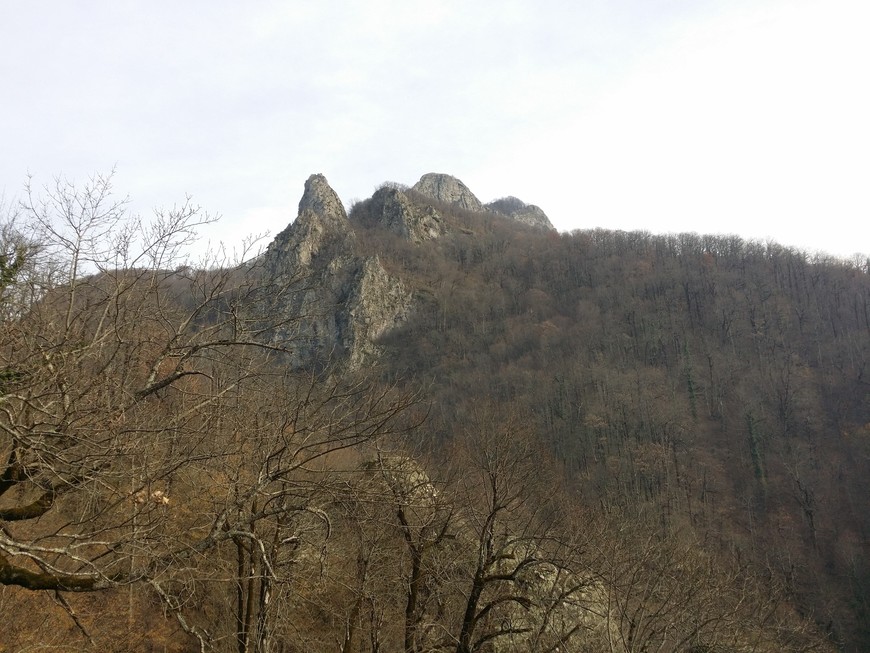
[518, 210]
[337, 302]
[320, 199]
[451, 190]
[395, 211]
[320, 226]
[447, 189]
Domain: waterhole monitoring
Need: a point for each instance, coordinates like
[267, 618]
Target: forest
[590, 441]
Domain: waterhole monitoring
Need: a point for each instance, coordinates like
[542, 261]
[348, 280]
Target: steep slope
[711, 385]
[337, 302]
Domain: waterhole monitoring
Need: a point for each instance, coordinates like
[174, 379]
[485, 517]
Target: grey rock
[321, 226]
[405, 478]
[395, 211]
[320, 199]
[378, 303]
[451, 190]
[331, 303]
[447, 189]
[518, 210]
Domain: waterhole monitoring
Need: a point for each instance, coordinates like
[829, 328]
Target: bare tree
[91, 341]
[666, 592]
[262, 540]
[522, 570]
[145, 424]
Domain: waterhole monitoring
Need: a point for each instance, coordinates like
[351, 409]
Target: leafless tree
[521, 578]
[145, 424]
[669, 593]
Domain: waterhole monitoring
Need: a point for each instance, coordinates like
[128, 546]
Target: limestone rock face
[447, 189]
[518, 210]
[321, 226]
[319, 199]
[450, 190]
[378, 303]
[394, 210]
[332, 303]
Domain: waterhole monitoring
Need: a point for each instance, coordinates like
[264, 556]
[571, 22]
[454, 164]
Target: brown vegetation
[593, 442]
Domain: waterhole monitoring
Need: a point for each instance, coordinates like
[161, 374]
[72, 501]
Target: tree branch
[14, 575]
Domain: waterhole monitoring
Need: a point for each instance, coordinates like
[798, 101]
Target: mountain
[341, 297]
[716, 385]
[427, 423]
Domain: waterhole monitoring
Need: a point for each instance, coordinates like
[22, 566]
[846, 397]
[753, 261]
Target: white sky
[715, 116]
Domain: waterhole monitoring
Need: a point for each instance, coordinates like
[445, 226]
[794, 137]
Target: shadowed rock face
[447, 189]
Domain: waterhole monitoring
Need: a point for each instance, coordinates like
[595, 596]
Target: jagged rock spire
[319, 198]
[337, 301]
[321, 225]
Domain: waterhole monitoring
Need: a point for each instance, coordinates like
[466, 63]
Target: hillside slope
[705, 382]
[429, 423]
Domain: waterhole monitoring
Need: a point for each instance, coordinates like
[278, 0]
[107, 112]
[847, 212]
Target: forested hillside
[420, 427]
[713, 385]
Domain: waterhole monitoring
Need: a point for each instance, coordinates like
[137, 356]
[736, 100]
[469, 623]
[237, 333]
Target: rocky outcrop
[393, 210]
[516, 209]
[451, 190]
[324, 300]
[448, 190]
[321, 227]
[377, 304]
[405, 478]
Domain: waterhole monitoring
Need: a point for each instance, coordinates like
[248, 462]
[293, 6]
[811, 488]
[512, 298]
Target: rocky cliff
[450, 190]
[392, 209]
[336, 301]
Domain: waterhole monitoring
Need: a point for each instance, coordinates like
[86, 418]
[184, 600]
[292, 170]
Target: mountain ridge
[349, 299]
[617, 343]
[414, 426]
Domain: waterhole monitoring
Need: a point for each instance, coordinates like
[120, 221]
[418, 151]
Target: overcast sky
[716, 116]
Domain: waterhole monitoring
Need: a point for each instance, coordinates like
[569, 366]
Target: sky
[713, 116]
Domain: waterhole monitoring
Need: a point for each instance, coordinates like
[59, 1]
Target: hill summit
[450, 190]
[342, 296]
